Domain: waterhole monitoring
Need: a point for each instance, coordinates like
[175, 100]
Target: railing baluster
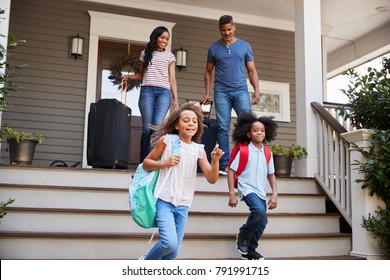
[334, 174]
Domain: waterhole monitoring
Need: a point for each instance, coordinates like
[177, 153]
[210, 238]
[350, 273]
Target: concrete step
[29, 245]
[117, 199]
[73, 220]
[109, 178]
[68, 213]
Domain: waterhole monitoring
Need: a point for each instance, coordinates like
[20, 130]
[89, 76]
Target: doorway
[105, 89]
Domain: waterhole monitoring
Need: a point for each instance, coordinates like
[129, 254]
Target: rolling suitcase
[209, 137]
[108, 137]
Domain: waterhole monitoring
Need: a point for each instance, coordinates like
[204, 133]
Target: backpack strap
[244, 155]
[267, 153]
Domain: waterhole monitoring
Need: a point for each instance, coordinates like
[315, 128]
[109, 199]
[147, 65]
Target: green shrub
[369, 98]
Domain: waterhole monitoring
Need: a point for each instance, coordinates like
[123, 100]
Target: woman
[157, 73]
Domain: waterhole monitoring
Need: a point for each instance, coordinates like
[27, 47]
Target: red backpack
[244, 155]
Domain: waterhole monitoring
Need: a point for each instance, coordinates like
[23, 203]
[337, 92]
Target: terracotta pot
[22, 153]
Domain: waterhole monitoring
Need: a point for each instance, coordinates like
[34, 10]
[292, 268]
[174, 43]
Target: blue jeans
[154, 103]
[257, 219]
[225, 100]
[171, 222]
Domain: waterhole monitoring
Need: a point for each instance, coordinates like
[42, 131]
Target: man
[231, 57]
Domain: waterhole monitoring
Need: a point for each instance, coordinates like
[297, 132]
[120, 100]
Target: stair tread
[127, 212]
[147, 235]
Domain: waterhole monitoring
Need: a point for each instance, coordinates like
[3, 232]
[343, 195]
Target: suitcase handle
[206, 108]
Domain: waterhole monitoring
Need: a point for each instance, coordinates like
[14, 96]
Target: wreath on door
[126, 63]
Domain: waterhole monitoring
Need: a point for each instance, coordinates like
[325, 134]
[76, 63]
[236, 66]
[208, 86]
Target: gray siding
[52, 100]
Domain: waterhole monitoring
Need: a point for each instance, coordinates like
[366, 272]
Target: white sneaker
[223, 172]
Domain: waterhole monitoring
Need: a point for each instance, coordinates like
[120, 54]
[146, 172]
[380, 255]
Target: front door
[107, 53]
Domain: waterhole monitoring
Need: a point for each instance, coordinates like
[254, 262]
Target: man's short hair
[225, 19]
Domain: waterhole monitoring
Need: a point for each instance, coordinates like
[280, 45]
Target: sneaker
[242, 240]
[223, 171]
[252, 255]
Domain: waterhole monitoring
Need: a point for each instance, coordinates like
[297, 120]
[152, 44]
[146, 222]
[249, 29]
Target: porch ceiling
[345, 23]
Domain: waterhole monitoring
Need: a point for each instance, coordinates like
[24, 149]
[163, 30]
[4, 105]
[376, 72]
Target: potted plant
[284, 156]
[22, 145]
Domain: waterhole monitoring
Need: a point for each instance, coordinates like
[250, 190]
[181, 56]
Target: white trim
[117, 28]
[280, 92]
[201, 12]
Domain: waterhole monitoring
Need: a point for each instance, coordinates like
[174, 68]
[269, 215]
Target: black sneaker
[242, 240]
[252, 255]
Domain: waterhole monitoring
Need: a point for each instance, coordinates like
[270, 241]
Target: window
[274, 100]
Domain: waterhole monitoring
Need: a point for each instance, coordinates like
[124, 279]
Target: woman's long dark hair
[151, 46]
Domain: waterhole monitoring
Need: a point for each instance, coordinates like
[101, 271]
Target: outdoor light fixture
[181, 58]
[76, 46]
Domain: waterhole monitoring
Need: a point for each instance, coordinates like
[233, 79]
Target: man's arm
[254, 80]
[208, 79]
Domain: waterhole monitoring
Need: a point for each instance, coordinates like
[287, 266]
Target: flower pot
[22, 153]
[282, 166]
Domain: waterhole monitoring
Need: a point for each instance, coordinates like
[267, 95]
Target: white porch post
[309, 83]
[4, 26]
[363, 243]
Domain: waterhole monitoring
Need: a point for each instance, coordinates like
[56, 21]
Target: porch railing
[334, 161]
[334, 110]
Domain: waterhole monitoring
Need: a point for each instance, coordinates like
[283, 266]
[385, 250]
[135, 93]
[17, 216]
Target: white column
[309, 83]
[363, 243]
[4, 26]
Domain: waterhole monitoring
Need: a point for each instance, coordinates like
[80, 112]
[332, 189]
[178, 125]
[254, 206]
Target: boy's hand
[233, 201]
[273, 202]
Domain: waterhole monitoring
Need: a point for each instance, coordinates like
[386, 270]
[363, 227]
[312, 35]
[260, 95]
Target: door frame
[127, 29]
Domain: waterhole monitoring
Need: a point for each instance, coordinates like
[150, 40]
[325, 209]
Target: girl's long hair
[151, 46]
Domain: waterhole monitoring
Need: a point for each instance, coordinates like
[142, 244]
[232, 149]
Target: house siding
[52, 100]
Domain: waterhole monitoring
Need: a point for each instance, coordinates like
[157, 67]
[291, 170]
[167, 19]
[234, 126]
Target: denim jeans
[225, 100]
[154, 103]
[257, 219]
[171, 222]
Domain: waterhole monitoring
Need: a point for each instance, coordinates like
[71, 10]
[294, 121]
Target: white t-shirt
[180, 186]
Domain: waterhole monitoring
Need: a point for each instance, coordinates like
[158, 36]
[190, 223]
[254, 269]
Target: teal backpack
[142, 200]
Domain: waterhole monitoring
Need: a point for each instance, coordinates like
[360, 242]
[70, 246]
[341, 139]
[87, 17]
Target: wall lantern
[181, 58]
[76, 46]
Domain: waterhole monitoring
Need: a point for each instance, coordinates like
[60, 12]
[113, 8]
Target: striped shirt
[157, 73]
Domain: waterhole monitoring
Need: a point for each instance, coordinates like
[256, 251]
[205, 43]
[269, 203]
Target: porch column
[309, 83]
[4, 27]
[363, 243]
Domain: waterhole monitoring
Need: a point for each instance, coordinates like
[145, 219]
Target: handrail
[328, 118]
[334, 161]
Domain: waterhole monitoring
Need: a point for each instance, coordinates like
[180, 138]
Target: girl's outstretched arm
[211, 171]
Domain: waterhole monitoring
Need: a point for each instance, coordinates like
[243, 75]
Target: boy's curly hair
[244, 124]
[168, 127]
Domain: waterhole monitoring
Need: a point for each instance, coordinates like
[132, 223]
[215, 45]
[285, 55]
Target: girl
[157, 72]
[176, 196]
[252, 182]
